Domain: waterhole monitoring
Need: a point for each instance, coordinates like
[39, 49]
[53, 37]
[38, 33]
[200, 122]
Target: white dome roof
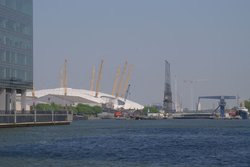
[90, 95]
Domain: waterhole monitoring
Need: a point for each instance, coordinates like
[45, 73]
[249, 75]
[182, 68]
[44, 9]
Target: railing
[15, 117]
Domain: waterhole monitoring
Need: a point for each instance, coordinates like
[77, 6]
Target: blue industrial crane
[222, 102]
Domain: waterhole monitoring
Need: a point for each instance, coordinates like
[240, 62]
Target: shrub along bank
[80, 109]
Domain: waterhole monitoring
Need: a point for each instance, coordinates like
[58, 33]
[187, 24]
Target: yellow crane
[116, 79]
[92, 82]
[121, 80]
[125, 87]
[99, 79]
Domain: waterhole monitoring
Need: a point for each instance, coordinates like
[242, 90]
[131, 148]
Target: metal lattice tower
[167, 101]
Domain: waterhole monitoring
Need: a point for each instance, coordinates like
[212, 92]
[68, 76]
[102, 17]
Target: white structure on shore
[102, 98]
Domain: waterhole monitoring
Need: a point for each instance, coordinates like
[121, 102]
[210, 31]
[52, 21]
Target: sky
[205, 41]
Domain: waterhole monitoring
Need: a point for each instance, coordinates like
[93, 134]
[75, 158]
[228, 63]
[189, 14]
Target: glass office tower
[16, 51]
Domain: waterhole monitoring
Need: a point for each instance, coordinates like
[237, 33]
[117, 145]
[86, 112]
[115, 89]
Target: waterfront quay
[34, 118]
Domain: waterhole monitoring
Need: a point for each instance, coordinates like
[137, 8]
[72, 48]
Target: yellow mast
[127, 81]
[65, 78]
[121, 79]
[99, 79]
[92, 82]
[116, 79]
[61, 77]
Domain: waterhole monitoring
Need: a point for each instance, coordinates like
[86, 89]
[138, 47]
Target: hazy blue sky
[208, 40]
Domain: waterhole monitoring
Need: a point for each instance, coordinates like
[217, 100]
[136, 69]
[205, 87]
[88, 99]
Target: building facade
[16, 51]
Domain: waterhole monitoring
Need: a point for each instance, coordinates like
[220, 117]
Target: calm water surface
[115, 143]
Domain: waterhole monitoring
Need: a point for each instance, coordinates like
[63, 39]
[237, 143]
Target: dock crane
[126, 95]
[126, 84]
[222, 102]
[99, 79]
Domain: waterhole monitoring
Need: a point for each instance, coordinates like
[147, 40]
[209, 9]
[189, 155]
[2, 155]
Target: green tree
[81, 109]
[247, 104]
[55, 107]
[87, 110]
[150, 109]
[48, 107]
[72, 109]
[97, 109]
[43, 107]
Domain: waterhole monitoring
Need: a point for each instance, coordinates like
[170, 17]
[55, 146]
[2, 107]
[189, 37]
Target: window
[13, 58]
[1, 38]
[2, 56]
[2, 2]
[7, 56]
[11, 4]
[2, 22]
[7, 73]
[21, 59]
[29, 60]
[24, 6]
[2, 73]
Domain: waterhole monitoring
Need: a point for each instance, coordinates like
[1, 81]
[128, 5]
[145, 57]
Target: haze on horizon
[202, 40]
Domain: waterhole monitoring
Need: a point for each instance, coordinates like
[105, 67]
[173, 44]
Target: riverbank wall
[10, 119]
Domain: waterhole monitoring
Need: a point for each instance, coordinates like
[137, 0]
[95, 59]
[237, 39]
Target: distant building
[16, 51]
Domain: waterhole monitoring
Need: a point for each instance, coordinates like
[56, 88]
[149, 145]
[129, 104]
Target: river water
[123, 143]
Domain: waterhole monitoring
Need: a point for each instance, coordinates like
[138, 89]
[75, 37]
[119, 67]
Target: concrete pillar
[13, 100]
[7, 101]
[35, 116]
[2, 99]
[23, 100]
[52, 116]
